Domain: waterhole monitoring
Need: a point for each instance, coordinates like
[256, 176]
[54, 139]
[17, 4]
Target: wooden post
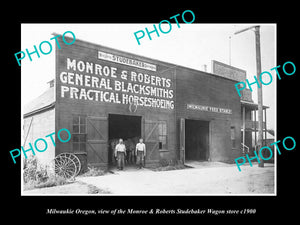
[255, 141]
[265, 127]
[244, 125]
[182, 139]
[259, 95]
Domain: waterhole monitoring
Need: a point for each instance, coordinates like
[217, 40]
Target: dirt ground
[205, 178]
[75, 188]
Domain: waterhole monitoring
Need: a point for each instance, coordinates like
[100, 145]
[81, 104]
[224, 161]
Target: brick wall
[200, 88]
[66, 107]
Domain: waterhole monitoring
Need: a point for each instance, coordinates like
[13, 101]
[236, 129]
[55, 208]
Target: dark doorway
[196, 140]
[122, 126]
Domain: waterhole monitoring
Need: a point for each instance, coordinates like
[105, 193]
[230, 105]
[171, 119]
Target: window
[162, 135]
[232, 137]
[79, 133]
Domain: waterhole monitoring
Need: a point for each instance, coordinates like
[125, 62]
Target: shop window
[79, 133]
[232, 137]
[162, 135]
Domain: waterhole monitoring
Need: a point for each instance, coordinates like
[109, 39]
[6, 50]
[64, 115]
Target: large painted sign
[98, 80]
[228, 71]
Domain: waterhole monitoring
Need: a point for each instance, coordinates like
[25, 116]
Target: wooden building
[102, 93]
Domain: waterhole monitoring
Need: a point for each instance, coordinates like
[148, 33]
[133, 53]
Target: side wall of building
[203, 89]
[37, 126]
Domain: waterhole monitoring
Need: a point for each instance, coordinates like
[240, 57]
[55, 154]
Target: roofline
[40, 110]
[230, 66]
[141, 57]
[253, 104]
[85, 43]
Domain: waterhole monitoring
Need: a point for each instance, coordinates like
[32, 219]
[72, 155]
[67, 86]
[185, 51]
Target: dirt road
[203, 179]
[213, 178]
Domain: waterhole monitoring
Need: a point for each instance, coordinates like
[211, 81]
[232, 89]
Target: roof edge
[40, 110]
[84, 43]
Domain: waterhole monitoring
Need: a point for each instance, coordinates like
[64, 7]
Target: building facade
[249, 109]
[101, 94]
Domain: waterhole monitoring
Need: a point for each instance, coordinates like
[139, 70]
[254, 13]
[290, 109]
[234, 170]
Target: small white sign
[209, 108]
[126, 61]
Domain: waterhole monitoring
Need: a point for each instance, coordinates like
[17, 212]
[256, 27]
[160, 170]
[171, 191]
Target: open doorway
[196, 140]
[129, 129]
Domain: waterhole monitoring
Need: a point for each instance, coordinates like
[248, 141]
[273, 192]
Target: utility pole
[259, 95]
[259, 90]
[230, 50]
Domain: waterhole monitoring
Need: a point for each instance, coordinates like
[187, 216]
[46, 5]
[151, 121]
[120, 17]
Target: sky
[191, 45]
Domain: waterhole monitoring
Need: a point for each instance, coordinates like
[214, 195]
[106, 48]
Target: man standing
[120, 153]
[140, 152]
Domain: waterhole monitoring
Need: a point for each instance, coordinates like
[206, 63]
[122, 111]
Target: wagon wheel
[75, 159]
[65, 165]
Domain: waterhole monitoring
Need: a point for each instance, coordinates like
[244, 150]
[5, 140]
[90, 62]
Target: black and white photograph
[168, 109]
[133, 111]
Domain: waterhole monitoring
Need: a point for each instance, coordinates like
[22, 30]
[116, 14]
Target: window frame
[81, 134]
[162, 135]
[233, 137]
